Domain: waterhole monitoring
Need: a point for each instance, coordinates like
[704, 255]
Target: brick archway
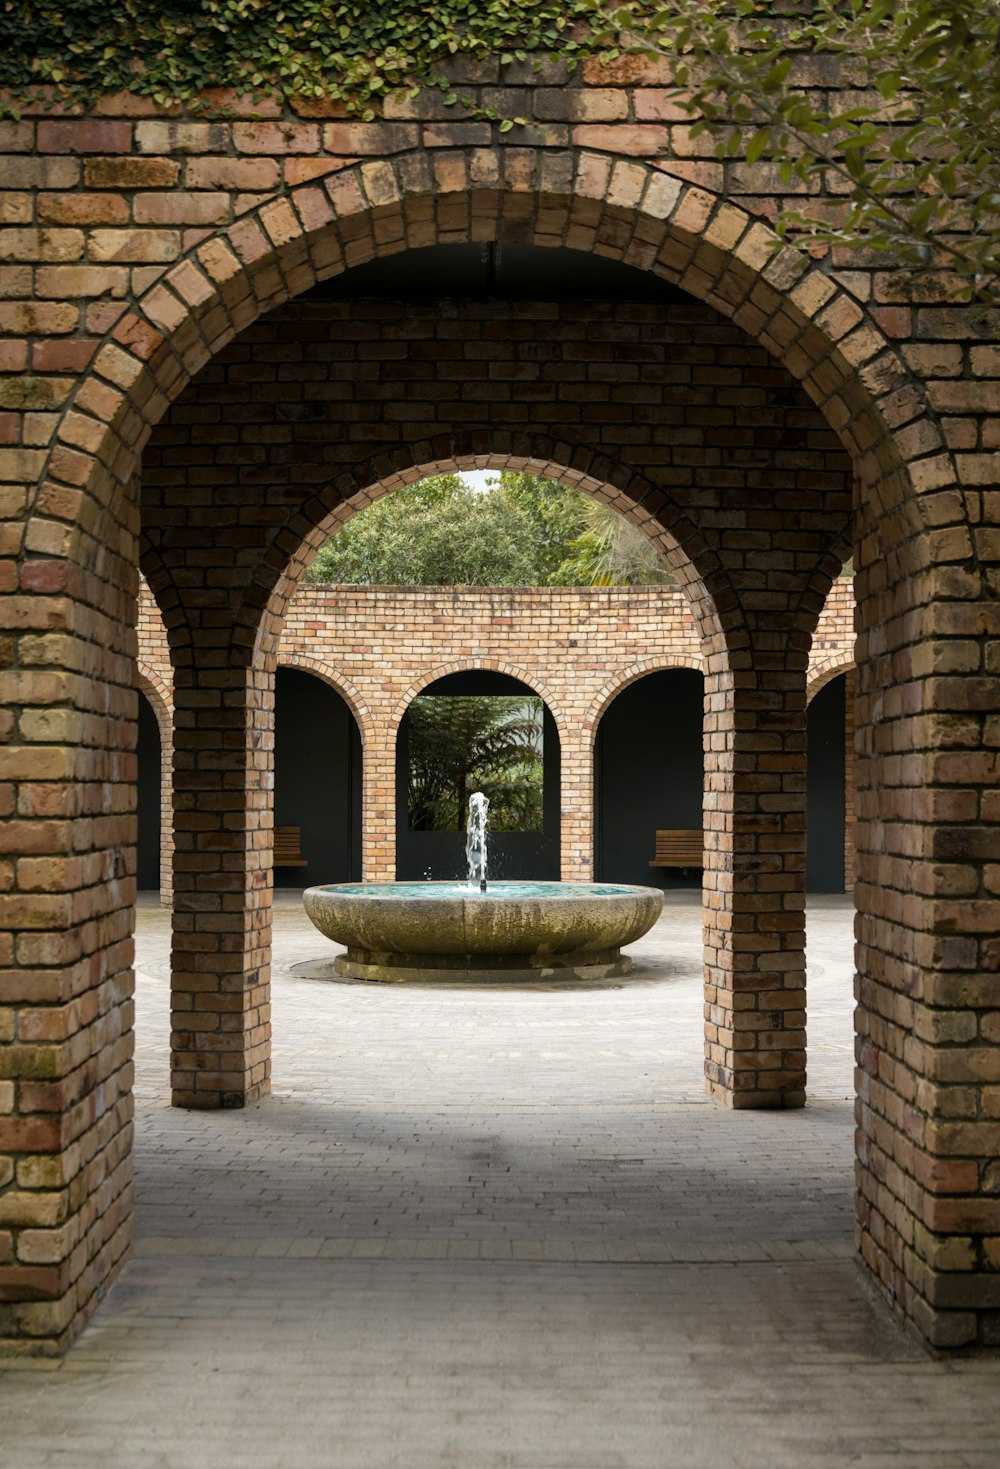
[628, 676]
[354, 700]
[824, 671]
[77, 561]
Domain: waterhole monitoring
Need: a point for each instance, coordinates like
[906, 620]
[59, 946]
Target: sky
[476, 478]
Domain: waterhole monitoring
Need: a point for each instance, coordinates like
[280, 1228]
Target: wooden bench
[679, 849]
[288, 847]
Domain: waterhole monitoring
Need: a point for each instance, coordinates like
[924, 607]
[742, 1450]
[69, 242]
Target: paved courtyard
[497, 1229]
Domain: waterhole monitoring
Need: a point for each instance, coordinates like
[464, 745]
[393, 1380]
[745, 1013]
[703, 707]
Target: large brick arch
[924, 1217]
[627, 210]
[591, 471]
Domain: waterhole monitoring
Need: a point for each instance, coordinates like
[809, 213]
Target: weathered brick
[181, 208]
[81, 280]
[82, 209]
[131, 173]
[82, 136]
[44, 318]
[276, 137]
[181, 137]
[252, 174]
[41, 244]
[134, 245]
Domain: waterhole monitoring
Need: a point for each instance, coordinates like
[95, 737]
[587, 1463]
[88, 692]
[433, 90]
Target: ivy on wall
[355, 51]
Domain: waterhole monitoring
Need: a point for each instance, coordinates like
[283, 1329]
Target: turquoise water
[498, 890]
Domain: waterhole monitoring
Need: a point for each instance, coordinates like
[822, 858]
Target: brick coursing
[138, 246]
[577, 647]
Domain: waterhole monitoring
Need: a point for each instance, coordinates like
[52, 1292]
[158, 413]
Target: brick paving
[497, 1230]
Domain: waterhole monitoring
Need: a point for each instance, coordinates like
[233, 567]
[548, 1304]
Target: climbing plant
[907, 160]
[354, 51]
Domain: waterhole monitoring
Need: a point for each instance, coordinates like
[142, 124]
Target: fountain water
[475, 839]
[438, 931]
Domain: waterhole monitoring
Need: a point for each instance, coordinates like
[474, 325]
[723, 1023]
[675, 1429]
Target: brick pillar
[576, 799]
[928, 952]
[755, 819]
[378, 805]
[67, 889]
[223, 817]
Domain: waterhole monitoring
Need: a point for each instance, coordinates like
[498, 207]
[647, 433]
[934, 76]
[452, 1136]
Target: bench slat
[288, 847]
[679, 848]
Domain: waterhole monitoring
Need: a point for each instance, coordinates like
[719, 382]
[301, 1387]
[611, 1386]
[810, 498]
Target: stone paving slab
[498, 1230]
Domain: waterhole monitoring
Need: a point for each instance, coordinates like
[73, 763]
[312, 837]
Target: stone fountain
[481, 932]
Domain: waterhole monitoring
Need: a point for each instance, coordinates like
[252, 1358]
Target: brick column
[928, 952]
[67, 889]
[378, 805]
[576, 798]
[755, 820]
[223, 805]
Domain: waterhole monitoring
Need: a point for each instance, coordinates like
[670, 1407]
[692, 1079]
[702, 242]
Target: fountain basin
[437, 931]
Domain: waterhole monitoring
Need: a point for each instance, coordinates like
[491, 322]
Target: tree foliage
[521, 531]
[437, 533]
[458, 745]
[889, 109]
[611, 551]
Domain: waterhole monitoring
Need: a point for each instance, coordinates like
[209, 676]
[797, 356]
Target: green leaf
[757, 144]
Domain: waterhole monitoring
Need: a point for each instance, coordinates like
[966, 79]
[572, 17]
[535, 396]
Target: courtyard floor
[497, 1229]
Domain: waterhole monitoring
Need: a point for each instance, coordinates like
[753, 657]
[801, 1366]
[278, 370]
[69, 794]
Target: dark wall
[148, 798]
[825, 790]
[317, 779]
[510, 854]
[648, 774]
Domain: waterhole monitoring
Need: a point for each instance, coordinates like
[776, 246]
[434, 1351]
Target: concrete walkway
[497, 1229]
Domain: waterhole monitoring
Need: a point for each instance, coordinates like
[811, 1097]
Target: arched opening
[724, 257]
[317, 783]
[649, 776]
[149, 798]
[827, 797]
[471, 730]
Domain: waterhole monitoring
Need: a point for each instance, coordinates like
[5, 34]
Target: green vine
[352, 51]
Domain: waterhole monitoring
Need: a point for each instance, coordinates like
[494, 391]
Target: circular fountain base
[481, 968]
[432, 932]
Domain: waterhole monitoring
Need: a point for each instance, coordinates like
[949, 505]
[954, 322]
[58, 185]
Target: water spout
[475, 839]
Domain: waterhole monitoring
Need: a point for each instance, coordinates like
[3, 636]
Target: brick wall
[577, 647]
[138, 246]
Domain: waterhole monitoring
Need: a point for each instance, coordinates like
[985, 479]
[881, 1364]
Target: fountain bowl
[399, 932]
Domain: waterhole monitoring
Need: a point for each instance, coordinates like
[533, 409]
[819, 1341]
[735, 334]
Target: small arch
[648, 771]
[590, 471]
[341, 685]
[474, 665]
[529, 844]
[824, 671]
[630, 675]
[158, 696]
[318, 771]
